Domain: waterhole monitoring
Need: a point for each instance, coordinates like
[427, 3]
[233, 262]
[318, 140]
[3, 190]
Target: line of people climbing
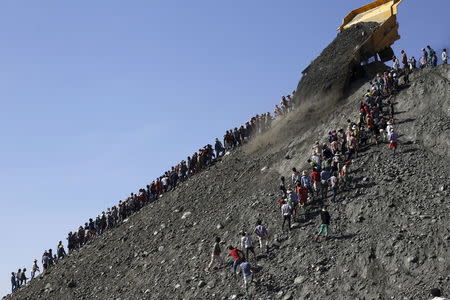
[119, 213]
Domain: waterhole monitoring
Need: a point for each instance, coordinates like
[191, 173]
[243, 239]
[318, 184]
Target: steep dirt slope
[390, 233]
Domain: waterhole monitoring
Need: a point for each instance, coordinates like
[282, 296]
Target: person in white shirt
[444, 56]
[262, 234]
[396, 63]
[286, 211]
[247, 244]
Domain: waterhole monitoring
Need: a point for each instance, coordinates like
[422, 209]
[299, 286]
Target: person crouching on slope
[238, 257]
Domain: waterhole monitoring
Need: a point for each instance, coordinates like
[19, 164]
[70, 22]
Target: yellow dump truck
[383, 12]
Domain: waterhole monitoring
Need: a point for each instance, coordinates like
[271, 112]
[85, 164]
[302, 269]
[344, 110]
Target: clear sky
[100, 97]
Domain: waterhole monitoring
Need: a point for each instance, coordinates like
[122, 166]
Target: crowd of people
[328, 171]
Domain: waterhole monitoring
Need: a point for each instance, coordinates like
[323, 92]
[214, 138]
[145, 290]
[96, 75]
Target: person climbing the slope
[333, 184]
[325, 224]
[247, 244]
[45, 262]
[60, 250]
[296, 176]
[282, 186]
[292, 201]
[286, 212]
[238, 257]
[316, 182]
[263, 236]
[246, 273]
[18, 277]
[395, 63]
[344, 175]
[34, 269]
[218, 147]
[306, 182]
[393, 141]
[216, 255]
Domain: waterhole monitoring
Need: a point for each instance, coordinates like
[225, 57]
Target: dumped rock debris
[329, 73]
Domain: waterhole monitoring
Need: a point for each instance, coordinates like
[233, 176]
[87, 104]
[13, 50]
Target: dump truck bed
[377, 11]
[383, 12]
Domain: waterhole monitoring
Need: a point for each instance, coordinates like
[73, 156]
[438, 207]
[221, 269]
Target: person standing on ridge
[34, 269]
[306, 182]
[444, 56]
[325, 225]
[13, 282]
[431, 56]
[60, 250]
[404, 59]
[18, 276]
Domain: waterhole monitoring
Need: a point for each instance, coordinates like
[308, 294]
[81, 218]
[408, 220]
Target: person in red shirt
[315, 178]
[238, 257]
[302, 193]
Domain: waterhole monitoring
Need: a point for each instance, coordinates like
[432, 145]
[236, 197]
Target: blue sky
[99, 97]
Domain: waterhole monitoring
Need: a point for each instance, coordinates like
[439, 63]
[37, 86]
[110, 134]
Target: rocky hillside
[390, 234]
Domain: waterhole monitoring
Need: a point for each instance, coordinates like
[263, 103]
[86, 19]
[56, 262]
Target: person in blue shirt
[246, 273]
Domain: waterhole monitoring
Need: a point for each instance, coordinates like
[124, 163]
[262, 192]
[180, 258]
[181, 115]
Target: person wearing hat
[437, 295]
[34, 269]
[325, 224]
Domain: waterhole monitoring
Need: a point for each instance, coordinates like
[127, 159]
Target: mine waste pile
[390, 235]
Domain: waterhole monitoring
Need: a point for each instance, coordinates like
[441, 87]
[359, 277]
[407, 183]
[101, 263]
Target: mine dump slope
[390, 234]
